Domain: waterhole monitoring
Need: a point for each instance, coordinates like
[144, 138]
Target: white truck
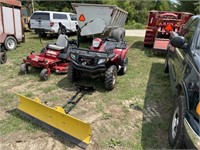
[43, 22]
[100, 20]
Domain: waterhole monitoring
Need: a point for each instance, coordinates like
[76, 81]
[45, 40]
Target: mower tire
[10, 43]
[23, 69]
[3, 57]
[44, 75]
[124, 68]
[110, 78]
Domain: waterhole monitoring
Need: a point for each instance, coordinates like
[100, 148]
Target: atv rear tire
[10, 43]
[124, 68]
[3, 57]
[23, 69]
[72, 74]
[44, 75]
[110, 78]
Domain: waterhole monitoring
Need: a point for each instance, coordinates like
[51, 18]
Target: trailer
[11, 26]
[98, 20]
[160, 26]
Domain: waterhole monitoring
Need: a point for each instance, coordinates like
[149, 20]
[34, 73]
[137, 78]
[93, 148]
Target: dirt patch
[3, 114]
[31, 141]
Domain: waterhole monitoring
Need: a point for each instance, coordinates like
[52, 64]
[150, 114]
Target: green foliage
[187, 6]
[134, 25]
[138, 10]
[164, 5]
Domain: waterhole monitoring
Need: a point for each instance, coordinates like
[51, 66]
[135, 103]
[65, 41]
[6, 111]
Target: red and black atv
[105, 58]
[54, 57]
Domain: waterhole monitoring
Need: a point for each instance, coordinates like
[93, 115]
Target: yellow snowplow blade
[56, 119]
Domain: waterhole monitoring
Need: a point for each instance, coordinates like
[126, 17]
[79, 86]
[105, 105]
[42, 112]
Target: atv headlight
[102, 60]
[73, 56]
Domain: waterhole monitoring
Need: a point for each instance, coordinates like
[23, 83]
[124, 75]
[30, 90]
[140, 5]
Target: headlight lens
[102, 60]
[73, 56]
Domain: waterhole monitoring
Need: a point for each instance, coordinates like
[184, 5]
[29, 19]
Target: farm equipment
[54, 57]
[160, 26]
[57, 119]
[105, 58]
[99, 20]
[11, 24]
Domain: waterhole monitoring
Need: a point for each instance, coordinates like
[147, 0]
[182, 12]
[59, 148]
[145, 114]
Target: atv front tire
[44, 75]
[110, 78]
[3, 57]
[124, 68]
[72, 74]
[23, 69]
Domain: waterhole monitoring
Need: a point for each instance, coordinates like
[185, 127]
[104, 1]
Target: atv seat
[61, 43]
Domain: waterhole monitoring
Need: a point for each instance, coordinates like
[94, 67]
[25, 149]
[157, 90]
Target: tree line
[137, 9]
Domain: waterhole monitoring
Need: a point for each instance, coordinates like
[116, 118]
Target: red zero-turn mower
[54, 57]
[105, 58]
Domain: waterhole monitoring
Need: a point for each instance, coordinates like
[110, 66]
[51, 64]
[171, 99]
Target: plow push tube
[56, 120]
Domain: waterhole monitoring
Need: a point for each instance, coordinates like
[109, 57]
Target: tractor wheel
[44, 75]
[117, 34]
[124, 68]
[3, 57]
[176, 127]
[72, 74]
[23, 69]
[110, 78]
[10, 43]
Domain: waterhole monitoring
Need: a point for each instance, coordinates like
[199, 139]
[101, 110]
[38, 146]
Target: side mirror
[178, 41]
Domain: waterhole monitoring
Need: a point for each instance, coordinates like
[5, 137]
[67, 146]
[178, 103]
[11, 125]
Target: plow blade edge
[56, 120]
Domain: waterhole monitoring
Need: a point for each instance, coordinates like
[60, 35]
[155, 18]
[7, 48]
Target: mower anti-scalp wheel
[10, 43]
[3, 57]
[23, 69]
[176, 126]
[124, 68]
[110, 78]
[44, 75]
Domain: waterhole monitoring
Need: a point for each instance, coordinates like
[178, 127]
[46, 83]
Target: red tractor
[105, 58]
[160, 26]
[54, 57]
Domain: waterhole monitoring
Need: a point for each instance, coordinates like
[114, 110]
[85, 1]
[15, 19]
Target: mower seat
[61, 43]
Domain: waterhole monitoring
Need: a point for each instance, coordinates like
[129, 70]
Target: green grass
[134, 115]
